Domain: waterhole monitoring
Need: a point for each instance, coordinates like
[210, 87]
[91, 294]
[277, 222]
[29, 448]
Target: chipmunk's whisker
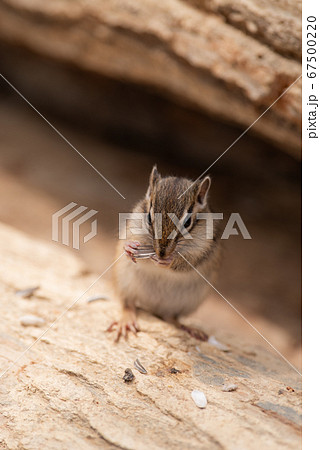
[145, 247]
[144, 253]
[145, 256]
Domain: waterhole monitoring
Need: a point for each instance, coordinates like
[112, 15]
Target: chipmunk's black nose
[162, 252]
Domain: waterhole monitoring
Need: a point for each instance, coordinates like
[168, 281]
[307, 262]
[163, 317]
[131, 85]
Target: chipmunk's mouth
[162, 261]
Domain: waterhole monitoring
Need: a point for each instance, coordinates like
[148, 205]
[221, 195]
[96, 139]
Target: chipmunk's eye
[149, 219]
[187, 222]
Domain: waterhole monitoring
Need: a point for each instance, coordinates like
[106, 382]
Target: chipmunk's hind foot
[195, 332]
[127, 323]
[192, 331]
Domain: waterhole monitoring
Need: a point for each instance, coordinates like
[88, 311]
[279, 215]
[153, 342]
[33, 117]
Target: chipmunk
[166, 284]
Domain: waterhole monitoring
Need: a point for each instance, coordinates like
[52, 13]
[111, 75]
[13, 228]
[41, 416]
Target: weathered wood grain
[67, 391]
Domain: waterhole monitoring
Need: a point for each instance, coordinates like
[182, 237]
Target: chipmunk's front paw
[131, 249]
[128, 322]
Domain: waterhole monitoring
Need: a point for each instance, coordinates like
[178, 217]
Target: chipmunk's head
[172, 205]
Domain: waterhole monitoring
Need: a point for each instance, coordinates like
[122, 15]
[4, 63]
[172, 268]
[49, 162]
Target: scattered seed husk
[280, 391]
[26, 293]
[174, 370]
[31, 321]
[128, 376]
[229, 387]
[160, 373]
[215, 343]
[96, 298]
[199, 398]
[290, 389]
[137, 364]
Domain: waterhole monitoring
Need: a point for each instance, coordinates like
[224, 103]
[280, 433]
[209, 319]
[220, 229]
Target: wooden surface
[228, 59]
[67, 391]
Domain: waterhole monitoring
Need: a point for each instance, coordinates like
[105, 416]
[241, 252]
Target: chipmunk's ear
[154, 177]
[203, 189]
